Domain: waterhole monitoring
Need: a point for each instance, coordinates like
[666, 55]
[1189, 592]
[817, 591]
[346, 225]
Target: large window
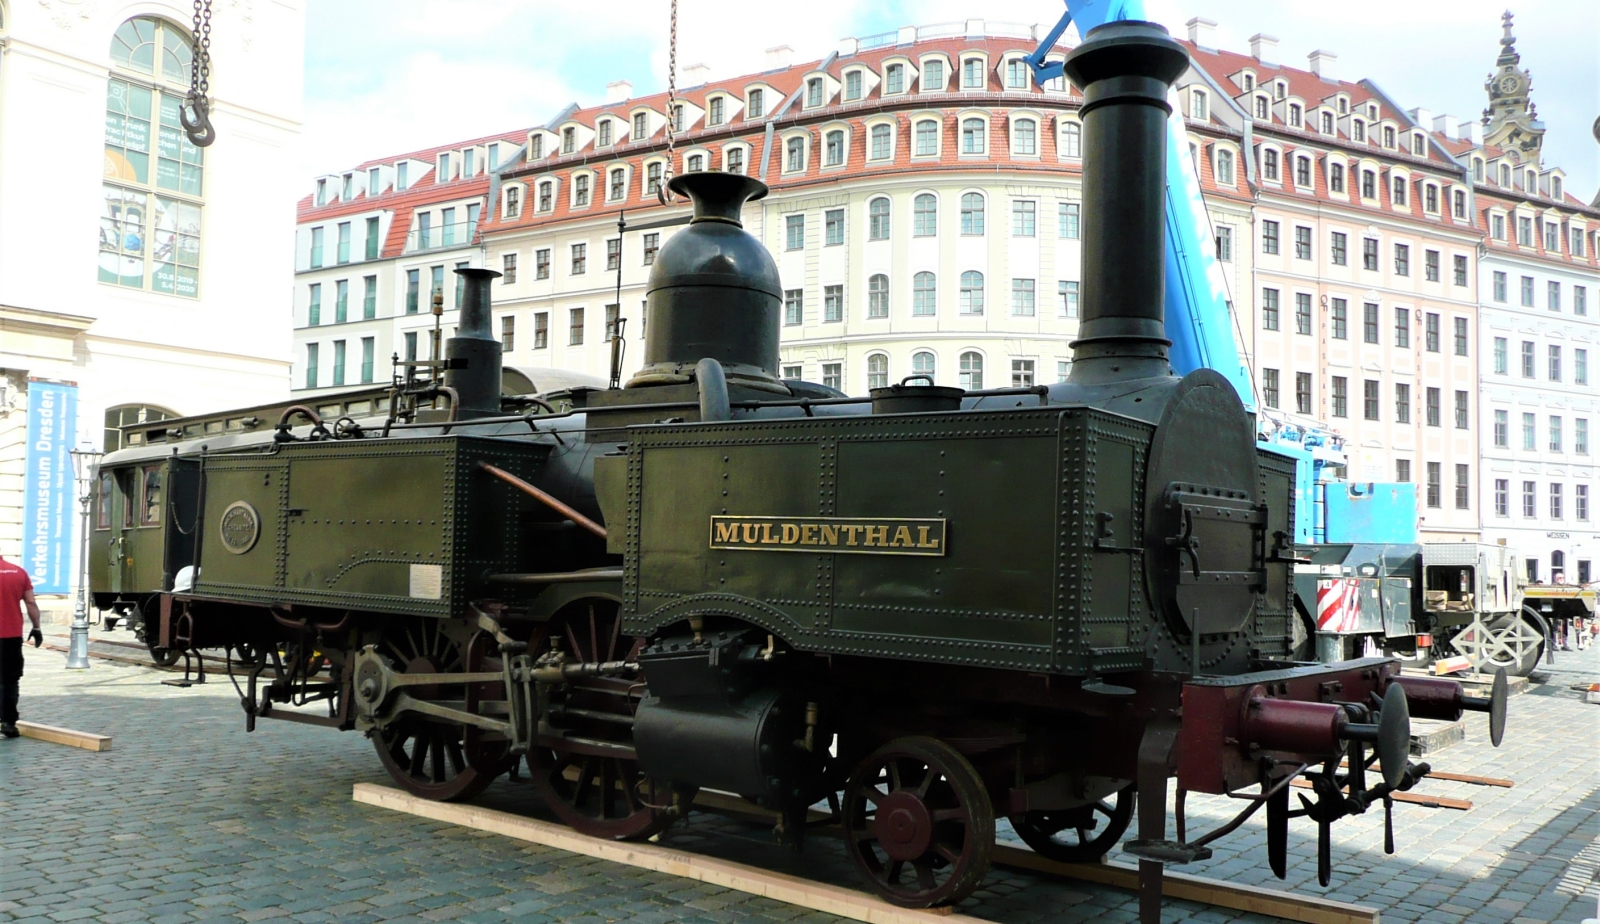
[924, 216]
[972, 292]
[971, 371]
[924, 294]
[151, 198]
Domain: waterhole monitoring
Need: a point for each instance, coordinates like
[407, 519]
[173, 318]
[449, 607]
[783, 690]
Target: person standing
[16, 593]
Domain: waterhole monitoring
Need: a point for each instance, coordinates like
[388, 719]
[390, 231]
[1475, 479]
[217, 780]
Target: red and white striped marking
[1338, 604]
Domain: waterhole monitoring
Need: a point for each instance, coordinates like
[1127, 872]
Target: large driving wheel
[1078, 835]
[428, 757]
[918, 822]
[583, 762]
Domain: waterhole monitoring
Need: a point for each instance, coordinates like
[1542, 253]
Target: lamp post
[84, 461]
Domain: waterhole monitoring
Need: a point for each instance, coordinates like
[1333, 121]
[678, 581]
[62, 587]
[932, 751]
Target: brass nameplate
[851, 535]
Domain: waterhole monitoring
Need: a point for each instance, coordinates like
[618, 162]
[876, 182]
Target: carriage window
[102, 507]
[150, 511]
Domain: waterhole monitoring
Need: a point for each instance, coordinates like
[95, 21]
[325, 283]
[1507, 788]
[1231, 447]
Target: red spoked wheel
[583, 762]
[432, 758]
[918, 822]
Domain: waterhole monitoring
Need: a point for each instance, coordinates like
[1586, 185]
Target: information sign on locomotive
[857, 535]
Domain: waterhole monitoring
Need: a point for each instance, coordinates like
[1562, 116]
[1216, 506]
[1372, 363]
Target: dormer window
[755, 108]
[695, 163]
[1302, 171]
[569, 140]
[1249, 82]
[580, 190]
[1261, 107]
[1344, 106]
[1294, 115]
[1335, 177]
[1399, 197]
[933, 75]
[1369, 184]
[1269, 164]
[677, 118]
[894, 78]
[444, 167]
[1430, 199]
[1327, 123]
[1419, 145]
[1197, 105]
[1477, 169]
[833, 149]
[535, 147]
[1279, 89]
[1555, 188]
[402, 172]
[813, 92]
[513, 201]
[852, 85]
[1224, 167]
[1532, 187]
[469, 163]
[1505, 175]
[640, 126]
[972, 74]
[1372, 112]
[1071, 139]
[714, 111]
[374, 181]
[547, 196]
[322, 192]
[1358, 130]
[1016, 74]
[619, 184]
[603, 133]
[1460, 198]
[349, 188]
[734, 160]
[1388, 136]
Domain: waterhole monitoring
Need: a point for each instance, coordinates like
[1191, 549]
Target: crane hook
[198, 127]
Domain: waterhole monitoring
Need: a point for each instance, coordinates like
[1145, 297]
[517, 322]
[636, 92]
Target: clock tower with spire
[1511, 121]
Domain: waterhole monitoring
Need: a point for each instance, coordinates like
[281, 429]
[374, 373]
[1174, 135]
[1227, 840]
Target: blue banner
[47, 495]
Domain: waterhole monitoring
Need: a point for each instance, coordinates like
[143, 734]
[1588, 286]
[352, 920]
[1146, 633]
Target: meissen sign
[858, 535]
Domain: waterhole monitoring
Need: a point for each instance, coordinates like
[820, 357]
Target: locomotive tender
[946, 606]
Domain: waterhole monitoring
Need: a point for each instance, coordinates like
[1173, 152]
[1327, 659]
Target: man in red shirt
[16, 592]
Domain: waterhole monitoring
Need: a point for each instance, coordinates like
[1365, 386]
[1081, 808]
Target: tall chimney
[474, 353]
[1446, 125]
[1323, 64]
[1124, 70]
[1202, 32]
[618, 90]
[778, 57]
[1472, 131]
[1264, 48]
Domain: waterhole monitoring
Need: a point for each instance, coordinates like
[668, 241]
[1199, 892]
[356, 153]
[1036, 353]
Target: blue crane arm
[1198, 314]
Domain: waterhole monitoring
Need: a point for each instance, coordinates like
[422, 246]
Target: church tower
[1511, 121]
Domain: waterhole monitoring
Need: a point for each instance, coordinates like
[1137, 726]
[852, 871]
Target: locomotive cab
[142, 530]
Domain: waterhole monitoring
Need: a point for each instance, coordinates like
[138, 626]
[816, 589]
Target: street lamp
[84, 460]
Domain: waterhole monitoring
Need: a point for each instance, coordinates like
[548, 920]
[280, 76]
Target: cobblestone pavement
[188, 819]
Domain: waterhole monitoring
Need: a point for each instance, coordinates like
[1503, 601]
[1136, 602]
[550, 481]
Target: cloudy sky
[388, 76]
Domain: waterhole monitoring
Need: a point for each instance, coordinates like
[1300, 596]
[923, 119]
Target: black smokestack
[474, 353]
[1125, 70]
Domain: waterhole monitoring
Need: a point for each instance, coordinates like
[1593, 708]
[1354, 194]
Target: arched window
[547, 197]
[1419, 145]
[971, 371]
[1336, 177]
[796, 159]
[924, 295]
[733, 160]
[834, 155]
[927, 143]
[1388, 136]
[972, 292]
[1327, 123]
[618, 189]
[154, 178]
[1505, 175]
[1071, 139]
[1261, 107]
[877, 370]
[971, 213]
[1269, 164]
[1477, 169]
[1224, 169]
[878, 296]
[513, 201]
[972, 136]
[882, 142]
[697, 163]
[924, 216]
[972, 74]
[878, 219]
[1025, 137]
[127, 415]
[924, 363]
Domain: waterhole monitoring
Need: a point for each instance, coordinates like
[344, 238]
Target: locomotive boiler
[927, 607]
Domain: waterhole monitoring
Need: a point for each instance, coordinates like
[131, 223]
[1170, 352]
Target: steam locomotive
[928, 607]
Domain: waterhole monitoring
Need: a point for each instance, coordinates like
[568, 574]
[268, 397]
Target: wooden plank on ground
[86, 740]
[793, 890]
[1413, 798]
[1307, 909]
[1467, 778]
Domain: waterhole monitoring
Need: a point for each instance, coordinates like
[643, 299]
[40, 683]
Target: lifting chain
[196, 111]
[663, 194]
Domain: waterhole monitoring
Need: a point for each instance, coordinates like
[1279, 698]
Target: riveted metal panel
[400, 526]
[1008, 590]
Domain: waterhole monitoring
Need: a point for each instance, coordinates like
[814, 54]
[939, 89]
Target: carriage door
[123, 485]
[144, 540]
[105, 573]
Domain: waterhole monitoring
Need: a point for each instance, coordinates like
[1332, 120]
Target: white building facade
[148, 273]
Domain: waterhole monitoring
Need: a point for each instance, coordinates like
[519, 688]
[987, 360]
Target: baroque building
[140, 276]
